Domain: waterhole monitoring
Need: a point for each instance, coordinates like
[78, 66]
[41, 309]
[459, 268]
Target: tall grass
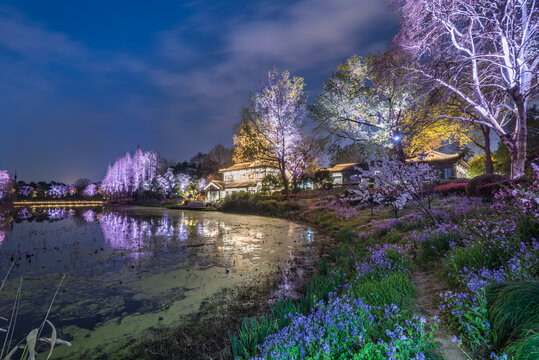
[513, 312]
[29, 344]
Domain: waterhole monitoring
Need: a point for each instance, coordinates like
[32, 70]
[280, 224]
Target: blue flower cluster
[345, 327]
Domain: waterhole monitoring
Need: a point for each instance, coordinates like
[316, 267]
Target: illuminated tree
[483, 52]
[270, 130]
[368, 99]
[130, 174]
[90, 190]
[58, 190]
[5, 186]
[400, 182]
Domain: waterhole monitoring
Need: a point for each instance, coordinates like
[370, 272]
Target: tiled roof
[220, 184]
[434, 156]
[342, 167]
[244, 184]
[248, 165]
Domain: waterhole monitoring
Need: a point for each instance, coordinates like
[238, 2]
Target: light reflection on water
[130, 263]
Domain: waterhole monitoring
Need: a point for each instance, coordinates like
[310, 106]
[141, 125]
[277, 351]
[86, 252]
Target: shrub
[451, 189]
[476, 182]
[488, 191]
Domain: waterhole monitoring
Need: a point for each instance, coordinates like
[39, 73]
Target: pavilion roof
[249, 165]
[434, 156]
[343, 167]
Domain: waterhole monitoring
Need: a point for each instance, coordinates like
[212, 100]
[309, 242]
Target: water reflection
[138, 264]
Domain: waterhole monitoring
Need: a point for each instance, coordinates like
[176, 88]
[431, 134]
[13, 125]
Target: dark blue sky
[82, 82]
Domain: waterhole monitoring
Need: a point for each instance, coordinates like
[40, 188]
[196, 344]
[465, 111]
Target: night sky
[82, 82]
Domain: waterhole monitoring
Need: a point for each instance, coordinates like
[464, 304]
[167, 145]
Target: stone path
[429, 287]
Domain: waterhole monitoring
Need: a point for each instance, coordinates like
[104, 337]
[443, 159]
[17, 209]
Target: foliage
[474, 184]
[322, 178]
[501, 160]
[271, 183]
[361, 102]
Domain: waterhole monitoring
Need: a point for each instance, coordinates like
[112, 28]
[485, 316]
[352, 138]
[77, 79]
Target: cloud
[32, 40]
[309, 38]
[182, 97]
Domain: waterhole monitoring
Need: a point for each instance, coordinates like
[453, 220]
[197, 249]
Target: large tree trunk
[285, 181]
[517, 144]
[400, 151]
[489, 167]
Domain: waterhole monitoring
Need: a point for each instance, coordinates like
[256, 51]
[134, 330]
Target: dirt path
[429, 287]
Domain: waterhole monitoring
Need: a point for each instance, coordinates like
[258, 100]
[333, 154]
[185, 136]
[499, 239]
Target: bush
[476, 182]
[488, 191]
[513, 311]
[451, 188]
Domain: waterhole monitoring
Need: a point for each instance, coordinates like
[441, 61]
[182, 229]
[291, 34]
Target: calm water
[136, 268]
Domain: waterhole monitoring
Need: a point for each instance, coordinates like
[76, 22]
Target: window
[447, 173]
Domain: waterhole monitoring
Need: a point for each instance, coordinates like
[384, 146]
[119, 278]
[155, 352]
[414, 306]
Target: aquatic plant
[29, 344]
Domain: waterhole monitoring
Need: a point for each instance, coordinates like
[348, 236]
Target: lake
[131, 269]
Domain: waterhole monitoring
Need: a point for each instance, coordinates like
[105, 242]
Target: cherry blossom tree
[364, 194]
[401, 182]
[483, 51]
[271, 125]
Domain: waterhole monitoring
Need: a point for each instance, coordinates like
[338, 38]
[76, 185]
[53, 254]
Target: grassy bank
[359, 306]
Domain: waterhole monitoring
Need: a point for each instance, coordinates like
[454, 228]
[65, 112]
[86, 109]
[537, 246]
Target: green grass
[437, 246]
[396, 289]
[513, 312]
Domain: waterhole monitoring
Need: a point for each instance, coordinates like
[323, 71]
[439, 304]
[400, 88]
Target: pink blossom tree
[485, 52]
[401, 182]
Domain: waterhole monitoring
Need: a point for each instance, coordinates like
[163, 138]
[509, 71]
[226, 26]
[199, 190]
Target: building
[245, 177]
[448, 165]
[345, 174]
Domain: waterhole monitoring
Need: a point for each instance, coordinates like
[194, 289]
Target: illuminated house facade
[448, 165]
[345, 174]
[245, 177]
